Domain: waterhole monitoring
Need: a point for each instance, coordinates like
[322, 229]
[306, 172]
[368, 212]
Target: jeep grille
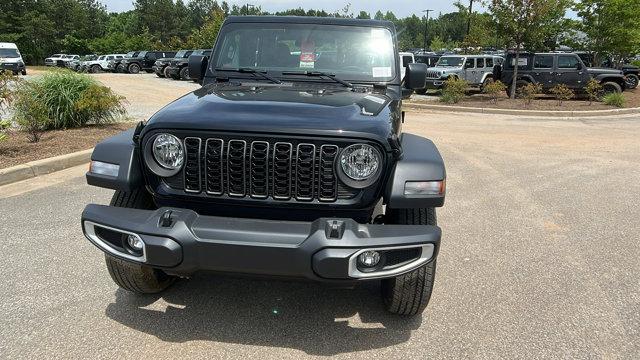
[259, 168]
[433, 75]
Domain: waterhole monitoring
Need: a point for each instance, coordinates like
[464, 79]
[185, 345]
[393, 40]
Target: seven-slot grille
[261, 169]
[433, 74]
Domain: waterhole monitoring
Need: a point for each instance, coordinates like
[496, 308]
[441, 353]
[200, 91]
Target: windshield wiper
[319, 74]
[260, 73]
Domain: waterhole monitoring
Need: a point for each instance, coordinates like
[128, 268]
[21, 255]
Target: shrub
[614, 99]
[635, 63]
[453, 90]
[70, 99]
[31, 113]
[494, 89]
[528, 92]
[562, 93]
[8, 85]
[594, 90]
[4, 125]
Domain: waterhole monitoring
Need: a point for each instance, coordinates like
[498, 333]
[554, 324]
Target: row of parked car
[169, 64]
[547, 69]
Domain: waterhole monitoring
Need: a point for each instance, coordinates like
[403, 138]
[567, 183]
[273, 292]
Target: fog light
[369, 258]
[134, 242]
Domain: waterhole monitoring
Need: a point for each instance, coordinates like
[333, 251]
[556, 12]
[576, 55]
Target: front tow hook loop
[165, 220]
[335, 229]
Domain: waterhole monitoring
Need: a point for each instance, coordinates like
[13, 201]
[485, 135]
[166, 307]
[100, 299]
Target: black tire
[486, 82]
[95, 69]
[160, 73]
[24, 72]
[184, 73]
[409, 294]
[632, 81]
[519, 84]
[133, 277]
[610, 87]
[165, 71]
[133, 68]
[119, 68]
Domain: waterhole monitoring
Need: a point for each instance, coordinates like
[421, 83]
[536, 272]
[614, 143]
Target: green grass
[614, 99]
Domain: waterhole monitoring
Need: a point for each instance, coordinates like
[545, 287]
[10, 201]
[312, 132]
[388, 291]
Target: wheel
[165, 71]
[519, 84]
[184, 73]
[95, 69]
[632, 81]
[133, 277]
[24, 72]
[486, 82]
[409, 294]
[134, 69]
[120, 68]
[175, 76]
[160, 73]
[610, 87]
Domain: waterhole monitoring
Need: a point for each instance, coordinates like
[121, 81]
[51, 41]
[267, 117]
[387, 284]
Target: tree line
[43, 27]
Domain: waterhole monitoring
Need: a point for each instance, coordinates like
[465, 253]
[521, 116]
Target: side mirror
[197, 67]
[578, 66]
[416, 76]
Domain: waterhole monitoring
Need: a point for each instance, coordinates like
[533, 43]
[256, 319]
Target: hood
[604, 71]
[308, 108]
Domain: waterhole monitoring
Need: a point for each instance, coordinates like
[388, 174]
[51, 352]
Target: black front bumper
[173, 71]
[323, 250]
[13, 67]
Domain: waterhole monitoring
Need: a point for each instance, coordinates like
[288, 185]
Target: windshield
[56, 55]
[130, 54]
[455, 61]
[350, 52]
[9, 53]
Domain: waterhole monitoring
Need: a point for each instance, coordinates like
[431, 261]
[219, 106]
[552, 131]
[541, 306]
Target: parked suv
[53, 59]
[477, 70]
[631, 73]
[115, 65]
[161, 66]
[144, 61]
[280, 165]
[101, 63]
[550, 69]
[178, 68]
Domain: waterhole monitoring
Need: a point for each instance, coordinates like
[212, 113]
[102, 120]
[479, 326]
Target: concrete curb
[479, 110]
[44, 166]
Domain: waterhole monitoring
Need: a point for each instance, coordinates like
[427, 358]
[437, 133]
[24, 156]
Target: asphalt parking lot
[539, 259]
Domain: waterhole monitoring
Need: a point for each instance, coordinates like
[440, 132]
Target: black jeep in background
[144, 61]
[631, 73]
[161, 66]
[284, 164]
[178, 68]
[115, 65]
[550, 69]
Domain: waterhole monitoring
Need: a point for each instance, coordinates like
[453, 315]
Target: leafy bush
[31, 113]
[614, 99]
[494, 89]
[562, 93]
[636, 63]
[594, 90]
[454, 90]
[4, 126]
[528, 92]
[71, 100]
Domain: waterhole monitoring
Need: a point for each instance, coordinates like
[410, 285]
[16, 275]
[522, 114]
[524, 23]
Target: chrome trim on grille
[186, 159]
[206, 170]
[244, 168]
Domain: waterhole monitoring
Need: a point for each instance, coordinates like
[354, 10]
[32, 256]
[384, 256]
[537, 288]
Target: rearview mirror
[197, 67]
[416, 76]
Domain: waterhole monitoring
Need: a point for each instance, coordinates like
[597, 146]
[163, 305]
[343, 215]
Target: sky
[401, 8]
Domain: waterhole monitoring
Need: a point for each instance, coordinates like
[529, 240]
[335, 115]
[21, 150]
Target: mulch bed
[18, 150]
[544, 103]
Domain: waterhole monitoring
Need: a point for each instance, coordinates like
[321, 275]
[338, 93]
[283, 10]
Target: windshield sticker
[307, 64]
[381, 71]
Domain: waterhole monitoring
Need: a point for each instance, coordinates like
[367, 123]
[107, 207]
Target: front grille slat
[262, 168]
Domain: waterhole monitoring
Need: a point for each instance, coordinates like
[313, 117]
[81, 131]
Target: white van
[10, 59]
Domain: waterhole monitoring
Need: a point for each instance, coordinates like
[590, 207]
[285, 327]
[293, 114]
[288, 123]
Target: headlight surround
[359, 165]
[168, 151]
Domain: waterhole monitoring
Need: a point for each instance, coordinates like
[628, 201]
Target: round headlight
[168, 151]
[360, 161]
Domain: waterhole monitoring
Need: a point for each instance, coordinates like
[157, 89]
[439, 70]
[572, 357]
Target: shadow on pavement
[304, 316]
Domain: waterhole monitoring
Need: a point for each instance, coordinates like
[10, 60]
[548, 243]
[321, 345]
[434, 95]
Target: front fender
[122, 151]
[421, 161]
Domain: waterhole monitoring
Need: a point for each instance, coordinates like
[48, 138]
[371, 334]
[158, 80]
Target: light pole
[426, 28]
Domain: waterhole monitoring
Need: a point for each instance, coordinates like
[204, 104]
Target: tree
[527, 23]
[363, 15]
[611, 27]
[204, 37]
